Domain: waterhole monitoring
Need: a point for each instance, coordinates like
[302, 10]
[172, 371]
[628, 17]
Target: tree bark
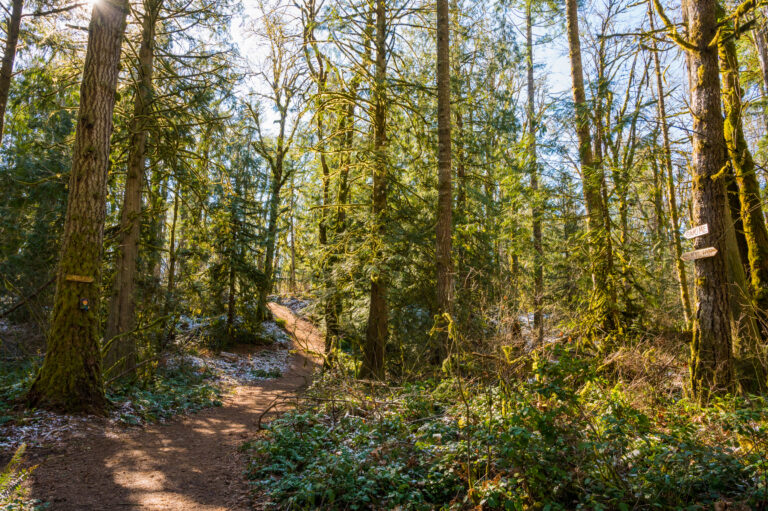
[378, 314]
[167, 332]
[292, 232]
[71, 379]
[443, 247]
[711, 366]
[674, 216]
[121, 357]
[603, 298]
[538, 252]
[271, 241]
[761, 46]
[748, 351]
[9, 55]
[751, 210]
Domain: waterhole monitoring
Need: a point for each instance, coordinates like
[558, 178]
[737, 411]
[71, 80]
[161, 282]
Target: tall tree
[317, 64]
[538, 252]
[70, 378]
[750, 201]
[603, 296]
[378, 313]
[443, 251]
[711, 365]
[283, 76]
[674, 216]
[120, 356]
[748, 348]
[9, 56]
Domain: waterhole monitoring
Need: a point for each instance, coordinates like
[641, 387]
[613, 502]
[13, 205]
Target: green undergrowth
[167, 392]
[15, 379]
[14, 494]
[561, 438]
[158, 395]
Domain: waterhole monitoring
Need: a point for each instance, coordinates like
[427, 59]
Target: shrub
[13, 495]
[563, 439]
[167, 392]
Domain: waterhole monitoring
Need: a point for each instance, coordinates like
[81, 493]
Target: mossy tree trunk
[748, 351]
[335, 305]
[378, 313]
[674, 216]
[271, 238]
[70, 379]
[711, 366]
[603, 299]
[121, 356]
[318, 68]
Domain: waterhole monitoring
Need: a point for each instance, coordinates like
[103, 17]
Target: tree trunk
[169, 303]
[378, 313]
[70, 379]
[9, 55]
[293, 240]
[443, 248]
[659, 222]
[751, 210]
[231, 297]
[331, 319]
[538, 252]
[711, 365]
[748, 351]
[602, 302]
[761, 46]
[682, 279]
[121, 356]
[334, 306]
[269, 256]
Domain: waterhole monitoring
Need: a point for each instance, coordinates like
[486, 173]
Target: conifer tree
[70, 378]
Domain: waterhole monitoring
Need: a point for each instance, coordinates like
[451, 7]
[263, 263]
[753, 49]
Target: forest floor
[190, 463]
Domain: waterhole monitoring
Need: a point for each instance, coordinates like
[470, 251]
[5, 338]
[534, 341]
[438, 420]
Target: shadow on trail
[187, 464]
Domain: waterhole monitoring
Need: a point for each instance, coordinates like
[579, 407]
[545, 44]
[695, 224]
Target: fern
[11, 480]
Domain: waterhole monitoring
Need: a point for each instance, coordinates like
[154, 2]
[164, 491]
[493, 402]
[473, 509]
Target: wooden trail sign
[79, 278]
[701, 230]
[699, 254]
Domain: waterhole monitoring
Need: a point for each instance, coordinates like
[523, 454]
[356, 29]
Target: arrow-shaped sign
[701, 230]
[699, 254]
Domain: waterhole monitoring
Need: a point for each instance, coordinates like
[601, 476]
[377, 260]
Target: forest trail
[191, 463]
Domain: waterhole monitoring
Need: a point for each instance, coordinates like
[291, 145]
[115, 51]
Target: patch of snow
[250, 368]
[295, 304]
[240, 369]
[42, 427]
[189, 324]
[273, 330]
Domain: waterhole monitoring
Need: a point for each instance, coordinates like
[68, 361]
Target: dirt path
[187, 464]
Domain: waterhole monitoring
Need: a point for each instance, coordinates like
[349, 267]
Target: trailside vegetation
[532, 234]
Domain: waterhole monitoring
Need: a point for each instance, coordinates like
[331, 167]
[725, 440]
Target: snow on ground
[234, 369]
[295, 304]
[273, 330]
[42, 427]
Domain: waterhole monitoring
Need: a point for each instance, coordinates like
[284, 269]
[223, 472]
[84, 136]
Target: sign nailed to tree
[79, 278]
[701, 230]
[699, 254]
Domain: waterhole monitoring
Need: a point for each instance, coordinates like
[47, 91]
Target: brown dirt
[188, 464]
